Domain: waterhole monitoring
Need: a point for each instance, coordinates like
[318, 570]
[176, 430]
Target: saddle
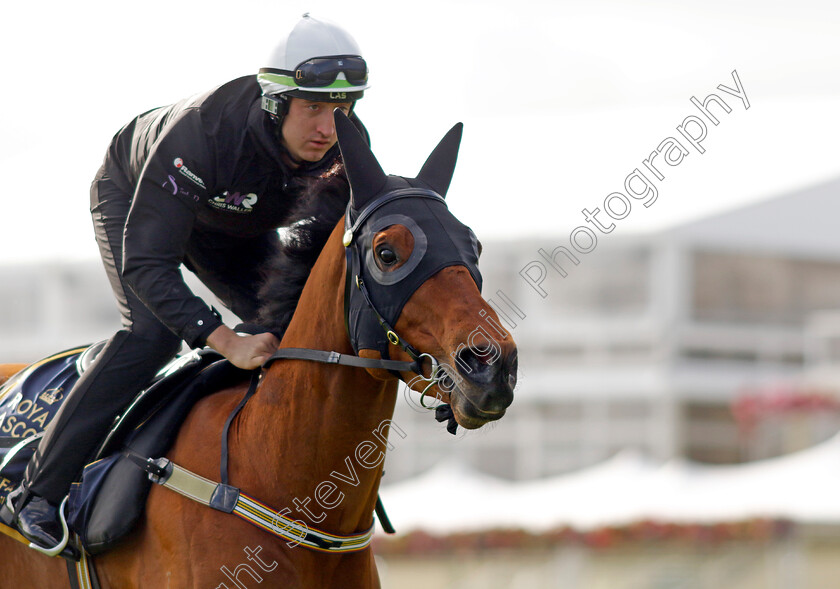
[110, 498]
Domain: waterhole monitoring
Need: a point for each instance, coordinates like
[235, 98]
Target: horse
[312, 438]
[9, 370]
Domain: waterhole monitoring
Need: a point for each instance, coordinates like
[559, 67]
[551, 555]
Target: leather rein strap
[344, 359]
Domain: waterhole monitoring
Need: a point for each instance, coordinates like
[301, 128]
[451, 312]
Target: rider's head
[318, 62]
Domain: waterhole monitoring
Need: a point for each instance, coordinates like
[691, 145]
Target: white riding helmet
[319, 61]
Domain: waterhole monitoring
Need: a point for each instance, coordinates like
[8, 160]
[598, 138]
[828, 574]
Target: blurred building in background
[717, 341]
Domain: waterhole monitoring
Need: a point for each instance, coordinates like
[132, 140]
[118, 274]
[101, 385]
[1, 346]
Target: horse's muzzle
[486, 387]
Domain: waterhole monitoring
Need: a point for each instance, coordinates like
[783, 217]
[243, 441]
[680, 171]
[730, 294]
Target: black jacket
[210, 188]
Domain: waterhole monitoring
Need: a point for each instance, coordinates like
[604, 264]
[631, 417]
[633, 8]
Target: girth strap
[230, 499]
[82, 574]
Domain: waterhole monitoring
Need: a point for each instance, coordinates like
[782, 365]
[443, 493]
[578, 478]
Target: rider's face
[308, 130]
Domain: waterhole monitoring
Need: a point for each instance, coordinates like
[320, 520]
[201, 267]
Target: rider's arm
[173, 182]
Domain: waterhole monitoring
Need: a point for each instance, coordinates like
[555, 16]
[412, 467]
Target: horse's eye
[386, 255]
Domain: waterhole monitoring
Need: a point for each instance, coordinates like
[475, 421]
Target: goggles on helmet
[322, 72]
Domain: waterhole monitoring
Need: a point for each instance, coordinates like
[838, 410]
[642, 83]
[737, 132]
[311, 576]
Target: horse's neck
[316, 420]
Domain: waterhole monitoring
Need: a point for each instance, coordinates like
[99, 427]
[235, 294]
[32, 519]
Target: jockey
[205, 182]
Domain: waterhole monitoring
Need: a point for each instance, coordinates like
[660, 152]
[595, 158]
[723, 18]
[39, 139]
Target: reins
[343, 359]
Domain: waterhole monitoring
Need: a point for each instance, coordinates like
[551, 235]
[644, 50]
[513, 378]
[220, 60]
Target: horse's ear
[440, 165]
[363, 171]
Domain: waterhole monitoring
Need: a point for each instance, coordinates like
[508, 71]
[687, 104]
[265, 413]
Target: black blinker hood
[378, 201]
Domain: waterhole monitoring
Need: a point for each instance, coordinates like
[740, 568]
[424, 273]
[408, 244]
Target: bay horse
[9, 370]
[313, 436]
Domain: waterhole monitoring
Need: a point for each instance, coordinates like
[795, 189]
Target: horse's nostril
[474, 367]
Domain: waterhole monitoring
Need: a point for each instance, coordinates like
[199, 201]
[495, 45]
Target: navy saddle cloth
[28, 402]
[109, 500]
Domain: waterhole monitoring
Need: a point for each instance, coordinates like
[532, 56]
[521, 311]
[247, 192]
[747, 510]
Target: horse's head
[413, 288]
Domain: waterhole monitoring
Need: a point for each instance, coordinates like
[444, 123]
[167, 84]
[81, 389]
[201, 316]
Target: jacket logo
[187, 173]
[170, 185]
[234, 202]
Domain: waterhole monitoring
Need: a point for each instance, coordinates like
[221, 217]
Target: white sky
[560, 100]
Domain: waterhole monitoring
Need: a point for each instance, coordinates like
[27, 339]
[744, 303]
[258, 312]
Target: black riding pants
[124, 367]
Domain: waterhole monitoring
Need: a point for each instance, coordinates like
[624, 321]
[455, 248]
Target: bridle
[355, 280]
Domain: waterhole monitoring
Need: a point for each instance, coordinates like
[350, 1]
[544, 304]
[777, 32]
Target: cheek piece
[374, 299]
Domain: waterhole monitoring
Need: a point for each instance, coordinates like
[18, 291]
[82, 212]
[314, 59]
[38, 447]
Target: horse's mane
[311, 222]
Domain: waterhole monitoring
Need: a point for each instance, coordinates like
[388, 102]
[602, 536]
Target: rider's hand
[248, 351]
